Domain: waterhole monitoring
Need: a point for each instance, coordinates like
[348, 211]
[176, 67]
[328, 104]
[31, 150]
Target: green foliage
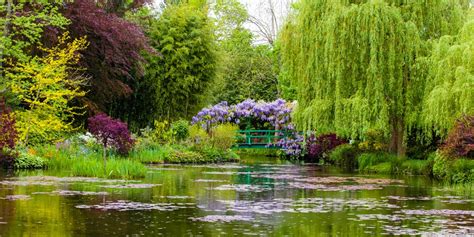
[373, 141]
[180, 130]
[44, 86]
[152, 156]
[198, 135]
[421, 167]
[453, 171]
[26, 160]
[180, 75]
[24, 30]
[357, 65]
[379, 162]
[183, 156]
[246, 70]
[116, 168]
[345, 155]
[450, 83]
[223, 136]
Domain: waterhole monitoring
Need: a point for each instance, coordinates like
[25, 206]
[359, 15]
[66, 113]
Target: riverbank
[88, 162]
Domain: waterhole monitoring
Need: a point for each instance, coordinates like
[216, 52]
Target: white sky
[260, 9]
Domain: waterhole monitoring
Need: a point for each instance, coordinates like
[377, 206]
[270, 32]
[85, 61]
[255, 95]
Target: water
[258, 197]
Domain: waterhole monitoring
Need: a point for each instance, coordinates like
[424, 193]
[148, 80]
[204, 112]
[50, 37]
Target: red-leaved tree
[113, 57]
[460, 140]
[110, 133]
[8, 136]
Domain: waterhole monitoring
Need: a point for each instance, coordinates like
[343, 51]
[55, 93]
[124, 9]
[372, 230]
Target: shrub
[416, 167]
[374, 140]
[378, 162]
[26, 160]
[180, 130]
[111, 133]
[224, 136]
[319, 147]
[183, 156]
[453, 171]
[344, 155]
[198, 136]
[460, 140]
[8, 136]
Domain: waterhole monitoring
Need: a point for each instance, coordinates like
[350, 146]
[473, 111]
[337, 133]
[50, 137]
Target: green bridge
[259, 138]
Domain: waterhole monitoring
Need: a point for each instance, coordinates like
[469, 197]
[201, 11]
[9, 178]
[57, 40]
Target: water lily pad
[221, 218]
[123, 205]
[127, 186]
[17, 197]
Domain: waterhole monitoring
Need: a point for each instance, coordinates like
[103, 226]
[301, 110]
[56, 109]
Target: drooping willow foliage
[362, 64]
[450, 83]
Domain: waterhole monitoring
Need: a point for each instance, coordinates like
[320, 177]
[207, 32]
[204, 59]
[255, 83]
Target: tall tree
[113, 59]
[183, 71]
[355, 62]
[246, 70]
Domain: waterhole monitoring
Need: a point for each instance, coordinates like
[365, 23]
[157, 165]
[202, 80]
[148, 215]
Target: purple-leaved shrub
[111, 133]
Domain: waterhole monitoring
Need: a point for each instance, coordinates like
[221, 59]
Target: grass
[88, 162]
[421, 167]
[116, 168]
[178, 155]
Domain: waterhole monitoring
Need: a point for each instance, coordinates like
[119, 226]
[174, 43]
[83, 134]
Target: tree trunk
[397, 137]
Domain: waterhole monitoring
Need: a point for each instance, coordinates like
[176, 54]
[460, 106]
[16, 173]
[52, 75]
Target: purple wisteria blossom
[277, 113]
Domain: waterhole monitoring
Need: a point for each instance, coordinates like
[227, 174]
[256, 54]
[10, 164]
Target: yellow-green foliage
[46, 85]
[450, 83]
[355, 62]
[198, 136]
[223, 136]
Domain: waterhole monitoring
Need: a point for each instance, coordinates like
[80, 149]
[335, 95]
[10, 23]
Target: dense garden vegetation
[100, 88]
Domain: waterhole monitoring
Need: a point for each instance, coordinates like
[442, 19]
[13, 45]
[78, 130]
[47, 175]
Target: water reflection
[258, 197]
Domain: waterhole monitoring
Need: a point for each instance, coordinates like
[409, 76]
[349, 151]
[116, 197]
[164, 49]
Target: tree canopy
[356, 66]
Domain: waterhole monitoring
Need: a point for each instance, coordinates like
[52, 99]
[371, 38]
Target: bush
[26, 160]
[344, 155]
[460, 140]
[111, 133]
[8, 136]
[453, 171]
[180, 130]
[198, 136]
[416, 167]
[183, 156]
[374, 141]
[224, 136]
[321, 146]
[379, 162]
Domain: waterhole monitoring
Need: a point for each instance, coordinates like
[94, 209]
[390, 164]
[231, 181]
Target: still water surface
[257, 197]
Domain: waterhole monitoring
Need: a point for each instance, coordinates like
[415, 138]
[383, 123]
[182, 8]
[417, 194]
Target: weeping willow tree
[355, 62]
[450, 81]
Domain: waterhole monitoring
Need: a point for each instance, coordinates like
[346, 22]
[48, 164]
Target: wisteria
[277, 113]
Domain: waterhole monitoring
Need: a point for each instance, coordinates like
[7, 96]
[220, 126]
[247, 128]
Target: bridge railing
[259, 138]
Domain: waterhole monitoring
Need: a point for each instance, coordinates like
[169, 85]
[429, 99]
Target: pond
[257, 197]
